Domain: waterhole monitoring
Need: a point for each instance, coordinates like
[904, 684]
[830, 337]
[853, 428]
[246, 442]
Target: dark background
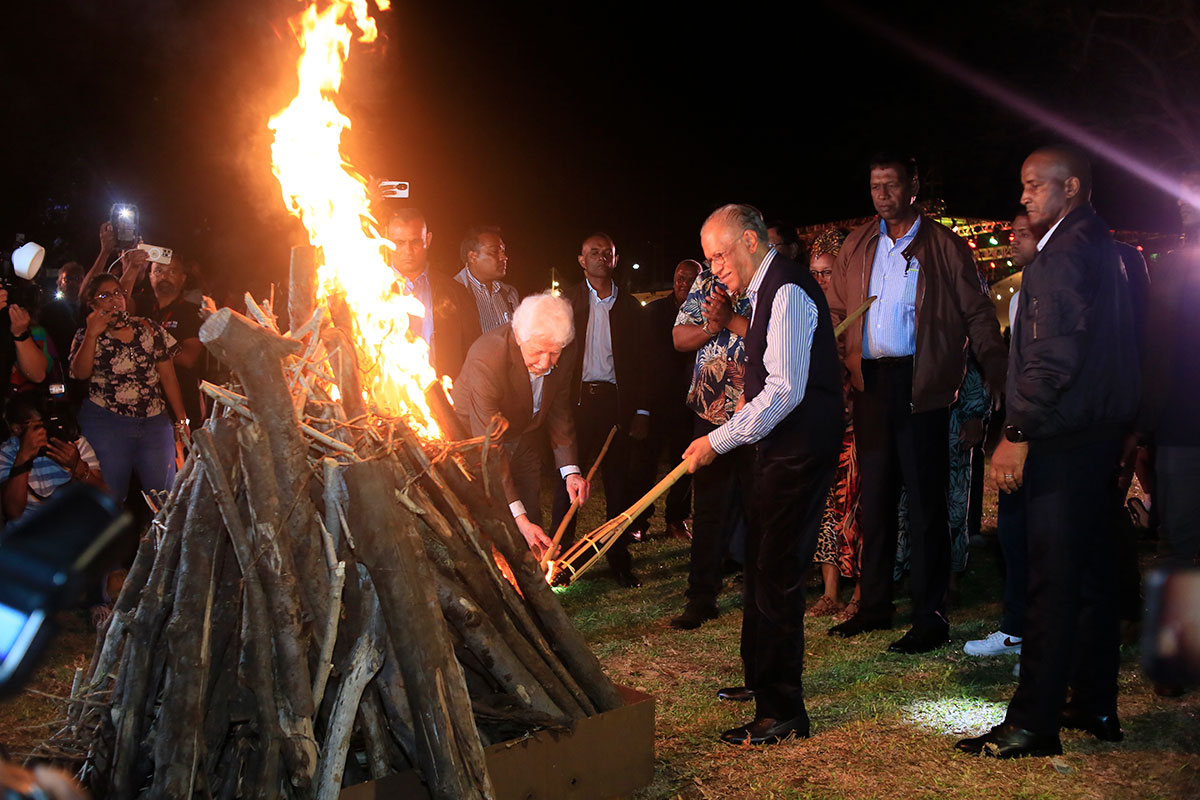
[553, 120]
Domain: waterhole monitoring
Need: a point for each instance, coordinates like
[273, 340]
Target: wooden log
[256, 355]
[340, 341]
[389, 684]
[365, 660]
[476, 568]
[302, 287]
[482, 638]
[383, 753]
[134, 675]
[496, 521]
[179, 743]
[448, 747]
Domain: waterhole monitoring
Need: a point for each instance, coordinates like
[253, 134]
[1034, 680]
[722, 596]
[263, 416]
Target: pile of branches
[323, 598]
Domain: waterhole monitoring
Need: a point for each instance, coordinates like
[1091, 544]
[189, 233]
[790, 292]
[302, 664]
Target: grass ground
[883, 725]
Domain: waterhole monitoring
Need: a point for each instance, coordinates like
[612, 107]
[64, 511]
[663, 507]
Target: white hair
[545, 315]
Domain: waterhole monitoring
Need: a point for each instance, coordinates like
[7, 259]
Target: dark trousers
[525, 465]
[1177, 498]
[899, 448]
[1014, 544]
[594, 417]
[670, 431]
[722, 492]
[785, 514]
[1072, 637]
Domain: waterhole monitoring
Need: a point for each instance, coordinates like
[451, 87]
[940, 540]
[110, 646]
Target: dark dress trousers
[597, 407]
[793, 470]
[494, 380]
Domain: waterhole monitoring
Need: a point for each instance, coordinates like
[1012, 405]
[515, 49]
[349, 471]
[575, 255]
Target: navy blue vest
[816, 425]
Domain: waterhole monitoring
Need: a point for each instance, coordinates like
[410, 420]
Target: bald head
[1055, 181]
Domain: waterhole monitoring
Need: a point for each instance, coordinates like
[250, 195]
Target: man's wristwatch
[704, 328]
[1014, 434]
[22, 337]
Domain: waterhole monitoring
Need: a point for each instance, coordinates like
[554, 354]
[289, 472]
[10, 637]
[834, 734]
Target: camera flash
[126, 213]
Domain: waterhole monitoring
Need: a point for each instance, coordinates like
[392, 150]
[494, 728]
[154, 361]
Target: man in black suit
[608, 386]
[450, 323]
[510, 370]
[1072, 394]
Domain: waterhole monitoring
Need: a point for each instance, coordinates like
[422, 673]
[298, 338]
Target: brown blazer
[953, 310]
[494, 380]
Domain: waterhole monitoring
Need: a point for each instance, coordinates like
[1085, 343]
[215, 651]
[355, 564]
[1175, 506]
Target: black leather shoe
[860, 624]
[919, 641]
[1009, 741]
[738, 694]
[626, 578]
[1105, 727]
[768, 731]
[693, 617]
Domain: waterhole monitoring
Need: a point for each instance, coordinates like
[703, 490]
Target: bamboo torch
[566, 520]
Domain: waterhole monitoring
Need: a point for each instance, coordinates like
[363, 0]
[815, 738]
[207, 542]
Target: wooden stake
[566, 520]
[855, 314]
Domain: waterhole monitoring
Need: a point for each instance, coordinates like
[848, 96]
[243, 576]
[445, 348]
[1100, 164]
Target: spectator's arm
[15, 494]
[134, 264]
[31, 359]
[170, 387]
[189, 353]
[689, 338]
[108, 245]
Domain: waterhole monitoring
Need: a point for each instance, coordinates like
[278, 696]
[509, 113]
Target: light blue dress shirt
[891, 323]
[419, 289]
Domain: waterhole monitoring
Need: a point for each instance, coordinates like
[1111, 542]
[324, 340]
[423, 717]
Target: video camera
[44, 559]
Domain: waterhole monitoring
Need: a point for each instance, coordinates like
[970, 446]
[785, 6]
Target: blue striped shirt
[890, 328]
[789, 350]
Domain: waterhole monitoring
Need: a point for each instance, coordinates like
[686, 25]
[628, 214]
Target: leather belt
[901, 361]
[598, 387]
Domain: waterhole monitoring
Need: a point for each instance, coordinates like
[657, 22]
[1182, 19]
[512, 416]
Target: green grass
[884, 725]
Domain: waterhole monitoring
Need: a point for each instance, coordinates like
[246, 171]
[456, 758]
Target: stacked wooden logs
[323, 599]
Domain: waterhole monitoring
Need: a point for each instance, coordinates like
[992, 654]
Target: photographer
[34, 462]
[17, 346]
[131, 383]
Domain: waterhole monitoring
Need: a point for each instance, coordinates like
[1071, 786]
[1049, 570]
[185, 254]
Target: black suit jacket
[494, 380]
[455, 323]
[627, 321]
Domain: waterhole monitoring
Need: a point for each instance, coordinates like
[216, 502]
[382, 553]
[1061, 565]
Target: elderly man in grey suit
[511, 371]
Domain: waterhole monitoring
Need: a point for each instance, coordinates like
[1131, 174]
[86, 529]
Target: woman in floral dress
[131, 383]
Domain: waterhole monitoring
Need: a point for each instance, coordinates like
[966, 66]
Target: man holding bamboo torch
[793, 417]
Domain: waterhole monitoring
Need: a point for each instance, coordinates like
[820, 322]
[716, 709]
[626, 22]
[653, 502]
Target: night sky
[551, 120]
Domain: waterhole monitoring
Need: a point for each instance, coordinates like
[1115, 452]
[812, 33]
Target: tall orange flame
[325, 192]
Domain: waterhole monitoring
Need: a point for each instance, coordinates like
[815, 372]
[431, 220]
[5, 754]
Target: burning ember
[325, 192]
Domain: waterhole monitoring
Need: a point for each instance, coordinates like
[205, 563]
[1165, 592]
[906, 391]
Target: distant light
[992, 240]
[553, 284]
[971, 244]
[555, 292]
[643, 302]
[992, 264]
[999, 297]
[59, 295]
[1140, 248]
[1009, 262]
[1012, 289]
[955, 229]
[637, 266]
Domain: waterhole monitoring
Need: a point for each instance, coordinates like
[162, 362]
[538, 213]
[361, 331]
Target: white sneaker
[996, 644]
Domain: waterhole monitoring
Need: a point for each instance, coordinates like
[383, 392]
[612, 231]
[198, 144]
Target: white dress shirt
[789, 351]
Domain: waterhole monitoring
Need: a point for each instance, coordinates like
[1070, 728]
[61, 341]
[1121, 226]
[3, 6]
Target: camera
[59, 419]
[124, 219]
[159, 255]
[44, 558]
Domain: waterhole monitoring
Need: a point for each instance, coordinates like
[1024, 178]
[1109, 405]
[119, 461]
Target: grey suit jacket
[494, 380]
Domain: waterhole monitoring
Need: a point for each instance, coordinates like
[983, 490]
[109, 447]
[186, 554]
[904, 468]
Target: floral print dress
[125, 376]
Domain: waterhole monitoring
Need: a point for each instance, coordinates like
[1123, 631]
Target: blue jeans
[127, 444]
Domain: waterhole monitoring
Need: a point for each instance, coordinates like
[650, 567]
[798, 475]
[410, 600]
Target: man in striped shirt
[485, 262]
[793, 417]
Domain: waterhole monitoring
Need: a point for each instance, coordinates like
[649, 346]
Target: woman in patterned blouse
[131, 381]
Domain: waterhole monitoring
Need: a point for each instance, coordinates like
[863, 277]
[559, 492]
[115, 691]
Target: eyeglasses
[110, 295]
[723, 256]
[821, 273]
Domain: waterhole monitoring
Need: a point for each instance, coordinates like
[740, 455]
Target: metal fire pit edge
[608, 756]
